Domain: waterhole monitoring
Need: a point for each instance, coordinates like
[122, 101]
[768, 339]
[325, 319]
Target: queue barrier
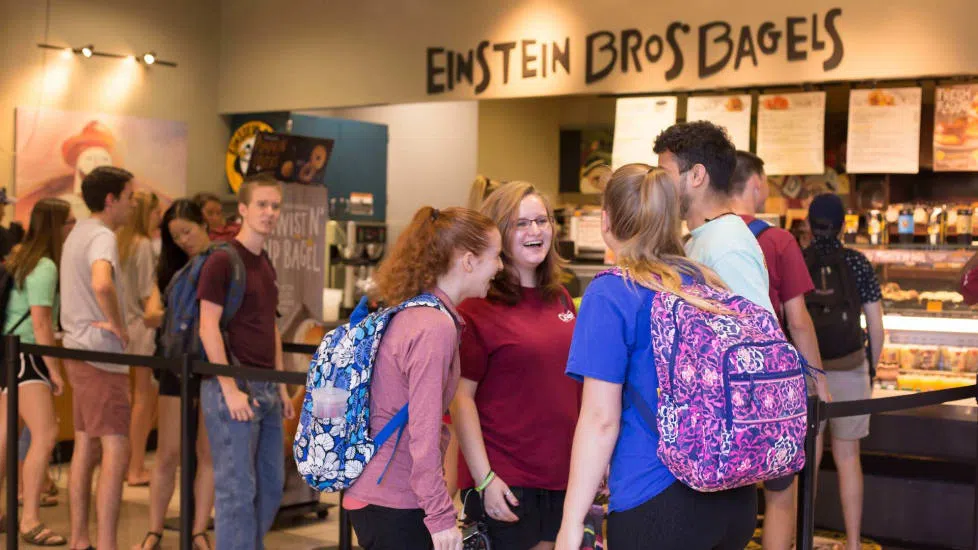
[187, 369]
[819, 411]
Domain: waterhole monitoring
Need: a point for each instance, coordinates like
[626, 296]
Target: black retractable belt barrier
[11, 350]
[806, 478]
[822, 411]
[188, 453]
[187, 369]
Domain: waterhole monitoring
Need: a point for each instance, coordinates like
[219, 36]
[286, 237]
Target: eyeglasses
[523, 224]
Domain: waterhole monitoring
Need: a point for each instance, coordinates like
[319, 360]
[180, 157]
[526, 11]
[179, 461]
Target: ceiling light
[88, 50]
[67, 53]
[149, 58]
[129, 59]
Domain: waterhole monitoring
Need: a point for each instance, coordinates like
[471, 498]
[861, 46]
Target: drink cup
[329, 402]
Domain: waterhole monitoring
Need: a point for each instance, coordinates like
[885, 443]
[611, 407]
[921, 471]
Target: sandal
[156, 545]
[40, 535]
[207, 542]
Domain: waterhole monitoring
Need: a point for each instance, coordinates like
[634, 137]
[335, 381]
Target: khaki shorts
[100, 400]
[849, 385]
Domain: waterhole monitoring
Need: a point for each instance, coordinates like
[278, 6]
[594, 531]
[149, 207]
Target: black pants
[539, 512]
[683, 519]
[380, 528]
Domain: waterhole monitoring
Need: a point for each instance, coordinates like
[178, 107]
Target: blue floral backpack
[333, 446]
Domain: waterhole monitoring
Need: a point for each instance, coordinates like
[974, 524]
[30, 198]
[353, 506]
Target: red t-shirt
[528, 407]
[786, 267]
[251, 332]
[969, 286]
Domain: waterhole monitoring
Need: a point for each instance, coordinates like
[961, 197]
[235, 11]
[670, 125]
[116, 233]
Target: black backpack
[835, 310]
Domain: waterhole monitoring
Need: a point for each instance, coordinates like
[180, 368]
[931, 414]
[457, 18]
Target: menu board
[956, 129]
[638, 121]
[791, 133]
[884, 131]
[729, 112]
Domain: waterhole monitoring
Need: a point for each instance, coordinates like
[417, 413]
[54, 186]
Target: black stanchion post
[188, 454]
[974, 526]
[11, 350]
[806, 480]
[346, 535]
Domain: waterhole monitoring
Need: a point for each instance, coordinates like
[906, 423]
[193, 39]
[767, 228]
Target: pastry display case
[931, 334]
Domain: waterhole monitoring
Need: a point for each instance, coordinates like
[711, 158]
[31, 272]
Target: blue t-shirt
[613, 343]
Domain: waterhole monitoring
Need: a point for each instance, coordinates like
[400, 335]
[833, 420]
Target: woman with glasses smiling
[515, 411]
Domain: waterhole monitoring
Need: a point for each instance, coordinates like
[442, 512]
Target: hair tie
[434, 214]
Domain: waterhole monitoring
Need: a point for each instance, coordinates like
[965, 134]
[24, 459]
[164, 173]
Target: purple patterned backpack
[732, 397]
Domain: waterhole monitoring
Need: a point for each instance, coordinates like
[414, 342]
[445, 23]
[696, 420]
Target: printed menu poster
[729, 112]
[638, 121]
[791, 133]
[884, 131]
[956, 129]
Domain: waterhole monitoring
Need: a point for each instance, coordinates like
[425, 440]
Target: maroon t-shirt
[528, 407]
[251, 332]
[786, 267]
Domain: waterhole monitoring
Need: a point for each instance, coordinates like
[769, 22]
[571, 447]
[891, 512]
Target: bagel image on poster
[238, 155]
[57, 149]
[292, 158]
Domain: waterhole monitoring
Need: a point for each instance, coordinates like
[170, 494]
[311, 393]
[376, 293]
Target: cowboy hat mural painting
[57, 149]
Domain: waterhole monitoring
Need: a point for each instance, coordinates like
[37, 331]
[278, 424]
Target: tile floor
[308, 534]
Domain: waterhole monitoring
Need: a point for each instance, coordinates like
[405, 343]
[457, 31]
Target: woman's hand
[570, 536]
[57, 382]
[449, 539]
[497, 499]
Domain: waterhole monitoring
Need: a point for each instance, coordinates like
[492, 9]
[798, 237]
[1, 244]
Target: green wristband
[485, 482]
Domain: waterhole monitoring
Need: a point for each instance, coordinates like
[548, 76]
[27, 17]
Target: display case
[931, 334]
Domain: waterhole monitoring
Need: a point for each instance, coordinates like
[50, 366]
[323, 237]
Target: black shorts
[539, 510]
[170, 384]
[32, 371]
[683, 519]
[380, 528]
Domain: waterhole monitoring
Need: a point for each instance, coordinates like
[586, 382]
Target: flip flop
[40, 535]
[207, 541]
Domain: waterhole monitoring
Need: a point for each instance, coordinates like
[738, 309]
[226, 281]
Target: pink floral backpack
[732, 397]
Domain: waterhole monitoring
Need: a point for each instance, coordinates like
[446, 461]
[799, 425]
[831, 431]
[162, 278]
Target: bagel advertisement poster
[956, 129]
[291, 158]
[56, 149]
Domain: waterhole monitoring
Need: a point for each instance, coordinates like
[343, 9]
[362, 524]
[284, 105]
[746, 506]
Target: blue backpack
[331, 453]
[180, 332]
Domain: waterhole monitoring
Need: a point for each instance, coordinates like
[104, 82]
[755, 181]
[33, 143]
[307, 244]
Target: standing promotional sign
[297, 249]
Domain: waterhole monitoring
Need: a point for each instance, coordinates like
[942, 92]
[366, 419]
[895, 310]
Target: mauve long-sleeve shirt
[417, 363]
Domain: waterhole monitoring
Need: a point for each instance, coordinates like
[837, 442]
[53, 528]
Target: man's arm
[288, 410]
[103, 286]
[210, 337]
[803, 336]
[874, 323]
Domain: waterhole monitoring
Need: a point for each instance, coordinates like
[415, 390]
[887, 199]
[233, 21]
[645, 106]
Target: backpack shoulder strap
[236, 286]
[757, 227]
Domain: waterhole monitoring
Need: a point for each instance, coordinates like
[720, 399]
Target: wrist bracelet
[485, 482]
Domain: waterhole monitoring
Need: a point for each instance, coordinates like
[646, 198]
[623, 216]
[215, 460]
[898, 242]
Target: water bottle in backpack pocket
[333, 443]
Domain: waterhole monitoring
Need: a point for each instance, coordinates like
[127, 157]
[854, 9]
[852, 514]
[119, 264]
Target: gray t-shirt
[90, 241]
